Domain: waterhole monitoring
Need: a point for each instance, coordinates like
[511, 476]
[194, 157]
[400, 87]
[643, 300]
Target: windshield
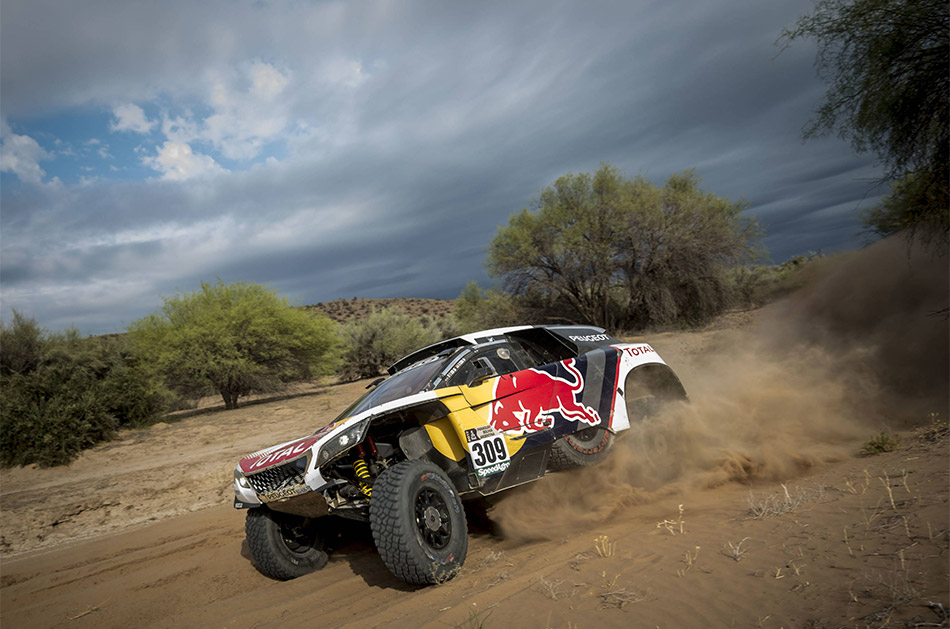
[408, 381]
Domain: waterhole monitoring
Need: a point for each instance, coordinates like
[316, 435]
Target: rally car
[467, 417]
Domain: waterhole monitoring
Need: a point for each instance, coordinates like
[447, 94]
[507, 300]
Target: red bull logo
[529, 400]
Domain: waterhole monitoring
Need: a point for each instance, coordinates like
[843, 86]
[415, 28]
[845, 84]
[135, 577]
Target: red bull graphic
[529, 400]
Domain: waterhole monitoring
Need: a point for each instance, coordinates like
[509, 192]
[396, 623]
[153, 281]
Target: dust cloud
[862, 347]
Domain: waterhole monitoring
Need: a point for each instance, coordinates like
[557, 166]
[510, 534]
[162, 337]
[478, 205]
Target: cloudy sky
[372, 149]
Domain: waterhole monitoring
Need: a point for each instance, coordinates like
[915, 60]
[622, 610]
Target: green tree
[236, 338]
[913, 204]
[623, 252]
[887, 63]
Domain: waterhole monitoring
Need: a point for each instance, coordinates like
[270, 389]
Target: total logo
[528, 401]
[254, 463]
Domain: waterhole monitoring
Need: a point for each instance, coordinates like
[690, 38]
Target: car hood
[275, 455]
[290, 450]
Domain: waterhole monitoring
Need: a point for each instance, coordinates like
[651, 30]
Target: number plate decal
[489, 455]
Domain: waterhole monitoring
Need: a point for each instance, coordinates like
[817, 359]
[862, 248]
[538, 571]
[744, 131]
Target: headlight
[342, 442]
[241, 480]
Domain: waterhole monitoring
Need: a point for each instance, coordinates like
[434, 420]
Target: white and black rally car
[470, 416]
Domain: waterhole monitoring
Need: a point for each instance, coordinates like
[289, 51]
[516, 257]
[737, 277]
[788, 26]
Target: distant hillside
[343, 310]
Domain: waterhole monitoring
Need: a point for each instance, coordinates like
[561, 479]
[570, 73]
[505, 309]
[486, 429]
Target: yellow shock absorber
[362, 473]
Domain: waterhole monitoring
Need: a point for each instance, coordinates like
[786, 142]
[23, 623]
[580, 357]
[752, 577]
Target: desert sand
[751, 506]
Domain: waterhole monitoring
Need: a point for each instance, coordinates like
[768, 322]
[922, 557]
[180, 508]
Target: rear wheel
[581, 449]
[418, 523]
[283, 546]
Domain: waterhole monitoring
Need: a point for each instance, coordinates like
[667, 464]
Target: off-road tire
[418, 523]
[283, 546]
[585, 448]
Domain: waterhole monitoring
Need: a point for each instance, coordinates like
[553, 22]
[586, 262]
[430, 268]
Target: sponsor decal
[284, 492]
[640, 349]
[589, 338]
[491, 470]
[529, 400]
[290, 451]
[479, 432]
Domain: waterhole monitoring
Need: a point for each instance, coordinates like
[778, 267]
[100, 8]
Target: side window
[536, 354]
[499, 355]
[501, 359]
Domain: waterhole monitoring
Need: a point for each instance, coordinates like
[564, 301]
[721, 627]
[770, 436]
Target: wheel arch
[653, 381]
[424, 432]
[656, 379]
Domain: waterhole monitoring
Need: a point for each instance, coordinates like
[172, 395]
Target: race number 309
[488, 451]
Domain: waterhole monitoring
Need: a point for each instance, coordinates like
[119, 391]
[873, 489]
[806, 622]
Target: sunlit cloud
[130, 117]
[177, 162]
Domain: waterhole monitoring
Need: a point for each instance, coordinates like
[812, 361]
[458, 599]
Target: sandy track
[193, 569]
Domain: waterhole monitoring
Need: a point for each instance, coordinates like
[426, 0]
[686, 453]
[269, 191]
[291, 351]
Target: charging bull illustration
[530, 400]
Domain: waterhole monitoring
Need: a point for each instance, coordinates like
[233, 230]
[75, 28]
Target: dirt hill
[343, 310]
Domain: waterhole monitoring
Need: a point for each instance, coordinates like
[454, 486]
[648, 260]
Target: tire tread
[390, 532]
[266, 556]
[564, 457]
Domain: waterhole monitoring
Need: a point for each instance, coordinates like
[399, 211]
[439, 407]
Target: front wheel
[418, 523]
[283, 546]
[581, 449]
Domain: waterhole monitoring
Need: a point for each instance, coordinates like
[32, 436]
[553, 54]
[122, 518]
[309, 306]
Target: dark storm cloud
[416, 130]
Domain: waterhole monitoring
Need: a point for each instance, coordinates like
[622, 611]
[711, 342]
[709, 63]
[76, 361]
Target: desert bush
[883, 442]
[481, 309]
[237, 339]
[21, 345]
[374, 343]
[50, 425]
[62, 393]
[134, 391]
[441, 327]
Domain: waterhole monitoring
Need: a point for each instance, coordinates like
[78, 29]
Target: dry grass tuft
[735, 551]
[603, 546]
[620, 597]
[673, 525]
[766, 506]
[477, 619]
[551, 589]
[936, 431]
[689, 559]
